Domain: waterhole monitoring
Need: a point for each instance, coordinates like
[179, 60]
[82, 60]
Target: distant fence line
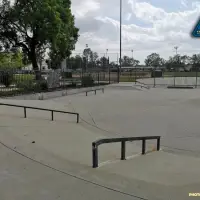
[16, 82]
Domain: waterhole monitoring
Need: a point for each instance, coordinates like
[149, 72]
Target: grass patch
[17, 78]
[127, 79]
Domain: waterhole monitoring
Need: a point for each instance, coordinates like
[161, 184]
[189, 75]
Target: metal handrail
[94, 90]
[44, 109]
[123, 146]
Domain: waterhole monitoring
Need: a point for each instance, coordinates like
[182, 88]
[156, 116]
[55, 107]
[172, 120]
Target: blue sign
[196, 31]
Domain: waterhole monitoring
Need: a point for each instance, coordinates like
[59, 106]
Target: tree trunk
[34, 63]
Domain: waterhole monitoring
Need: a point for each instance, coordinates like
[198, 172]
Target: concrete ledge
[180, 87]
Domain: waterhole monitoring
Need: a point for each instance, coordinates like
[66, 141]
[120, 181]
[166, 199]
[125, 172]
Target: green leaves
[35, 24]
[11, 60]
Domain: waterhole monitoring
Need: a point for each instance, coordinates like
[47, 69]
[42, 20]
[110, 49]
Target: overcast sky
[148, 26]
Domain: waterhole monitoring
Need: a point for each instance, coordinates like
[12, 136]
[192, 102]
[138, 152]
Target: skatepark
[44, 159]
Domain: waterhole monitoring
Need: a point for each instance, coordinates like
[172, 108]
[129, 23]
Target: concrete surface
[121, 111]
[173, 114]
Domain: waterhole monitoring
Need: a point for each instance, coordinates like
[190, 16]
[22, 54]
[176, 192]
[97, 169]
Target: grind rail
[123, 146]
[44, 109]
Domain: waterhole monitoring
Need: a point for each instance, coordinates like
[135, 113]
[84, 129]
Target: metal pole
[52, 115]
[176, 49]
[94, 156]
[119, 72]
[143, 146]
[154, 78]
[123, 150]
[196, 76]
[24, 112]
[158, 144]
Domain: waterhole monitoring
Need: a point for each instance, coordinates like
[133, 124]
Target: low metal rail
[123, 146]
[44, 109]
[94, 90]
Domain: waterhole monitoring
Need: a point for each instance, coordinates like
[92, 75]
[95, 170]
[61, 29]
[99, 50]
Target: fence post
[95, 92]
[86, 93]
[98, 78]
[52, 115]
[158, 144]
[24, 112]
[109, 75]
[94, 155]
[196, 78]
[77, 118]
[123, 150]
[143, 146]
[174, 78]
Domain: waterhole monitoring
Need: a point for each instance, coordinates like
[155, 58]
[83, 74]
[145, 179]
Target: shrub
[6, 78]
[32, 86]
[42, 85]
[87, 81]
[26, 86]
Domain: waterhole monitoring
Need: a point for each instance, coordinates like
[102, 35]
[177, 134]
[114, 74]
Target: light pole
[120, 32]
[106, 58]
[133, 65]
[176, 49]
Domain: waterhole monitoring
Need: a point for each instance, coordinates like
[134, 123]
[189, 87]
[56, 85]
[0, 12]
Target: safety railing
[94, 90]
[123, 146]
[44, 109]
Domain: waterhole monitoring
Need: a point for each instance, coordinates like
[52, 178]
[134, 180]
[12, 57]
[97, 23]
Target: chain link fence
[18, 82]
[163, 78]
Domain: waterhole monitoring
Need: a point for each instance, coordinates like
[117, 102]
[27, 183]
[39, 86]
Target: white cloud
[184, 3]
[146, 28]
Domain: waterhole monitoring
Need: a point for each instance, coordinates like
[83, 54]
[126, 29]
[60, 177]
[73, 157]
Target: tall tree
[36, 24]
[127, 61]
[195, 62]
[154, 60]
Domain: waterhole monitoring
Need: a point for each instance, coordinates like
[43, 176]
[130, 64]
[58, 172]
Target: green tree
[154, 60]
[35, 24]
[195, 62]
[11, 60]
[75, 62]
[128, 62]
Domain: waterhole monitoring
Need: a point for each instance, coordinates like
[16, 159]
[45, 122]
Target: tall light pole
[86, 57]
[133, 65]
[120, 32]
[176, 49]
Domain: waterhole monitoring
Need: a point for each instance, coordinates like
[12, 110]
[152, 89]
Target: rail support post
[94, 155]
[103, 90]
[86, 94]
[95, 92]
[123, 150]
[158, 144]
[143, 146]
[25, 112]
[52, 115]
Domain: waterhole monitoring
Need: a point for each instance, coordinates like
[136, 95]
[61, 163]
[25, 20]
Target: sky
[148, 26]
